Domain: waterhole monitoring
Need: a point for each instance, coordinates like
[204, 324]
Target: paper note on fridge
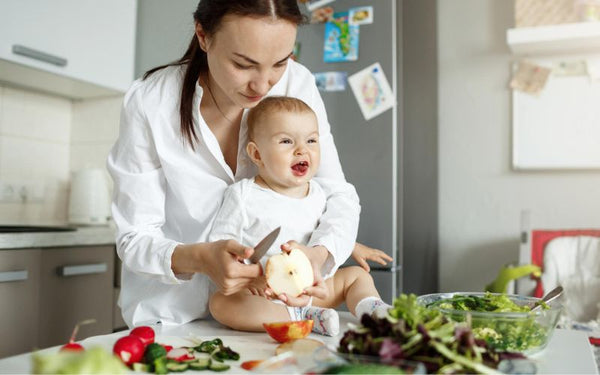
[372, 91]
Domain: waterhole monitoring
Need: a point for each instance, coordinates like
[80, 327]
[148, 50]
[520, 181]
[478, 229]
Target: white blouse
[166, 194]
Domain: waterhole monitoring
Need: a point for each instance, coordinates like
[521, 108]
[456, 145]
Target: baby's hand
[318, 290]
[362, 253]
[258, 286]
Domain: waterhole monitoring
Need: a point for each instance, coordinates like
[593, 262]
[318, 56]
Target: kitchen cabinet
[45, 292]
[19, 293]
[74, 48]
[583, 37]
[75, 284]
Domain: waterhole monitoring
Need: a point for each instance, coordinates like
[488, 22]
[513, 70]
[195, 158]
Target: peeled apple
[289, 273]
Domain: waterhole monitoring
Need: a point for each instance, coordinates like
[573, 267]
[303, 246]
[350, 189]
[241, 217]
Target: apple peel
[288, 331]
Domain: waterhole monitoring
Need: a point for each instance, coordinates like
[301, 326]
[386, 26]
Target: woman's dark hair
[209, 15]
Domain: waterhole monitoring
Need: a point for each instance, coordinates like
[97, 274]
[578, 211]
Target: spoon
[551, 295]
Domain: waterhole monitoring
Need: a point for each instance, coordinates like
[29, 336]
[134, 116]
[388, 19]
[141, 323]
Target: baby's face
[288, 143]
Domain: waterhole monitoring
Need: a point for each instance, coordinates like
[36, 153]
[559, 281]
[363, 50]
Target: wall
[164, 41]
[480, 196]
[94, 130]
[44, 138]
[35, 131]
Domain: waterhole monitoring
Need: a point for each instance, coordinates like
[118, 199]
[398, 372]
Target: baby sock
[370, 305]
[326, 321]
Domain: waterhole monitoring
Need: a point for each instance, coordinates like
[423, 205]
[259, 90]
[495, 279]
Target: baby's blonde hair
[273, 104]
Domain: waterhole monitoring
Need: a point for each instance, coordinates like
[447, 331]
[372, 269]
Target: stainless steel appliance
[369, 150]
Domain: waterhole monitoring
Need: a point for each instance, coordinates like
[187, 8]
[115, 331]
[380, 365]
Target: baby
[283, 142]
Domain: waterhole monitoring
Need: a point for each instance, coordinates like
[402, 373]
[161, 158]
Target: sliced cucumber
[218, 366]
[140, 367]
[177, 366]
[200, 364]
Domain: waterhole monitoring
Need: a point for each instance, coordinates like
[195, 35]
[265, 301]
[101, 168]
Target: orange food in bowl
[286, 331]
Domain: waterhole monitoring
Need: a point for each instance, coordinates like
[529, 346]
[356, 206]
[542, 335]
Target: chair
[572, 260]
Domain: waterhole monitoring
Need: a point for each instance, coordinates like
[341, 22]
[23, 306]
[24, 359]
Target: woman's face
[247, 56]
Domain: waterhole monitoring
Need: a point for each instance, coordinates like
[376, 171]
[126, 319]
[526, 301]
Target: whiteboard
[560, 128]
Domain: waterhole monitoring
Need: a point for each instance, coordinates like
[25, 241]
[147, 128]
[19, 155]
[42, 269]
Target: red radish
[145, 333]
[129, 348]
[180, 354]
[167, 347]
[72, 345]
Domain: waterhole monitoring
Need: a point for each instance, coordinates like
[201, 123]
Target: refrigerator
[368, 149]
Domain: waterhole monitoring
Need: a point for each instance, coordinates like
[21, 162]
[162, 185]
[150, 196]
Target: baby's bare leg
[246, 312]
[350, 285]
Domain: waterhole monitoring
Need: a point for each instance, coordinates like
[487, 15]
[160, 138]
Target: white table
[569, 352]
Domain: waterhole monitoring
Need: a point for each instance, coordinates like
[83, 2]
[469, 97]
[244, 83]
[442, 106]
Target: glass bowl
[329, 359]
[525, 332]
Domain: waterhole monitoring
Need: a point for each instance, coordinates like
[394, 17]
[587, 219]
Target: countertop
[83, 236]
[568, 352]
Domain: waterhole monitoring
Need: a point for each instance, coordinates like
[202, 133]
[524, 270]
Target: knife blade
[264, 245]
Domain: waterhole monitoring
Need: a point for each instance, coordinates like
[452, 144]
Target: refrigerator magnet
[331, 81]
[321, 15]
[341, 39]
[360, 15]
[314, 4]
[372, 91]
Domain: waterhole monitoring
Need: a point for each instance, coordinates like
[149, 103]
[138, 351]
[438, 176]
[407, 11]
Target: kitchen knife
[264, 245]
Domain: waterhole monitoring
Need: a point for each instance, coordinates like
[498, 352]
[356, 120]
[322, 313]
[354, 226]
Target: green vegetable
[363, 369]
[157, 362]
[200, 364]
[154, 351]
[504, 334]
[209, 346]
[217, 350]
[92, 361]
[217, 366]
[174, 366]
[412, 332]
[489, 302]
[160, 365]
[224, 352]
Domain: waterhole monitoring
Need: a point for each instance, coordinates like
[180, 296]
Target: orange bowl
[287, 331]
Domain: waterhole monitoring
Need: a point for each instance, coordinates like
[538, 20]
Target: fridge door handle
[387, 269]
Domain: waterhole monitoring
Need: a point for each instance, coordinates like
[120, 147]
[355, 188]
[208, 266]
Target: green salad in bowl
[504, 321]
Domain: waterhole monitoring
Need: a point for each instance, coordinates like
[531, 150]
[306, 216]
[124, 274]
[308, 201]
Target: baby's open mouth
[300, 168]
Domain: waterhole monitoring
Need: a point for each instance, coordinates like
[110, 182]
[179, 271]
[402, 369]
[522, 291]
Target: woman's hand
[362, 253]
[222, 261]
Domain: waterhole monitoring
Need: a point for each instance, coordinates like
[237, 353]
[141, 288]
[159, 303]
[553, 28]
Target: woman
[181, 144]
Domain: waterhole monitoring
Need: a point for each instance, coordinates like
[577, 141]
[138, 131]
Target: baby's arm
[362, 253]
